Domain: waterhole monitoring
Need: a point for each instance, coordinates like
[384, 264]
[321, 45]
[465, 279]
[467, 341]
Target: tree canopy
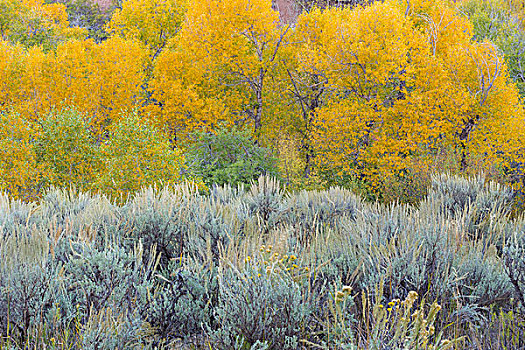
[362, 95]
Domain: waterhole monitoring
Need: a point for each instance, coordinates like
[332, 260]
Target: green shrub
[500, 26]
[67, 150]
[228, 156]
[159, 220]
[136, 155]
[28, 287]
[15, 215]
[108, 330]
[176, 222]
[107, 294]
[65, 212]
[412, 249]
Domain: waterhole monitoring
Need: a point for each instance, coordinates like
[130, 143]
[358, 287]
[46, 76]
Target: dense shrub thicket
[62, 151]
[261, 268]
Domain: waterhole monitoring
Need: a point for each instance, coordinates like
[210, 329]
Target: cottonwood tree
[220, 65]
[405, 80]
[307, 85]
[100, 80]
[20, 173]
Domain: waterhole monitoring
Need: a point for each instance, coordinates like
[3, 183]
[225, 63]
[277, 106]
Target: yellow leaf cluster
[100, 80]
[152, 22]
[19, 169]
[218, 67]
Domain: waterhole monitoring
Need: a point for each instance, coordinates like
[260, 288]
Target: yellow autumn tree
[152, 22]
[300, 94]
[405, 81]
[219, 66]
[10, 70]
[101, 80]
[363, 57]
[481, 109]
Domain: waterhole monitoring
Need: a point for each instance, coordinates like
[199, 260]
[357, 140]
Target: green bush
[311, 212]
[67, 150]
[136, 155]
[228, 156]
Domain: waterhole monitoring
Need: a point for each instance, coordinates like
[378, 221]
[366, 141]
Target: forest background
[374, 97]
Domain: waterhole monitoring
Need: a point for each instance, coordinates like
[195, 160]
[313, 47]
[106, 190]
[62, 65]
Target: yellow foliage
[362, 93]
[152, 22]
[185, 105]
[218, 67]
[10, 70]
[99, 80]
[404, 83]
[20, 173]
